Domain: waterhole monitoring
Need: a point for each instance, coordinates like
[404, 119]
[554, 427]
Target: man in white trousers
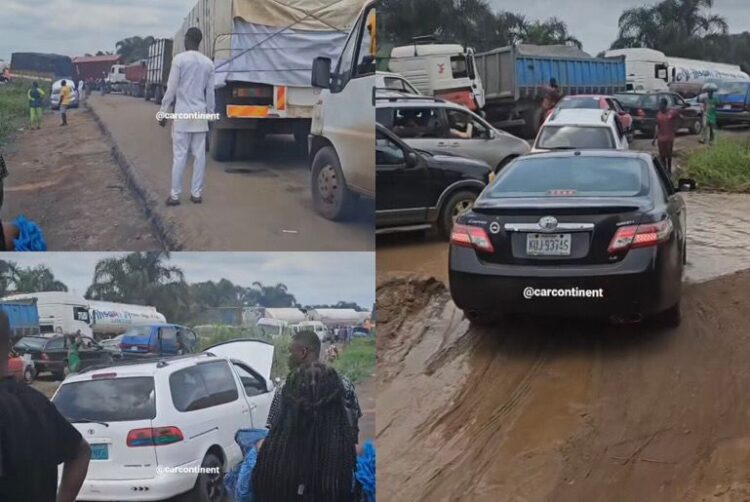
[191, 89]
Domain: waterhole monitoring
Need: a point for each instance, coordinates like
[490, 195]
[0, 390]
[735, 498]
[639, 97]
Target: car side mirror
[686, 185]
[412, 159]
[321, 73]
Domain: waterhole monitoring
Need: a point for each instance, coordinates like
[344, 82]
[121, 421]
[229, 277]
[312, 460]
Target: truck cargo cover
[311, 15]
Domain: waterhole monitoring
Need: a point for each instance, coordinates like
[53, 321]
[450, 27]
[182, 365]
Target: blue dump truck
[23, 317]
[514, 79]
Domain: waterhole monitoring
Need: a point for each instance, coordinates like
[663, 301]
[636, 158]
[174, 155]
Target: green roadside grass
[725, 166]
[13, 108]
[357, 360]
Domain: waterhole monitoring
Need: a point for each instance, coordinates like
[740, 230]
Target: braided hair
[310, 455]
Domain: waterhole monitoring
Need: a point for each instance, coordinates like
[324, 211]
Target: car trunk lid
[258, 354]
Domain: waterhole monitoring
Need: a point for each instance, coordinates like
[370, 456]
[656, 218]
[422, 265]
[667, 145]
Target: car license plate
[727, 107]
[548, 244]
[99, 452]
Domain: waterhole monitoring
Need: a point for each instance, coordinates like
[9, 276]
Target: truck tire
[331, 197]
[158, 95]
[301, 134]
[147, 93]
[456, 205]
[222, 143]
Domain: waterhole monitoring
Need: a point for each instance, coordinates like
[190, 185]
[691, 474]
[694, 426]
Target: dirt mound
[562, 409]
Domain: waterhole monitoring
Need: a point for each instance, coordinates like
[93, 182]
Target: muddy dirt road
[260, 202]
[66, 180]
[562, 410]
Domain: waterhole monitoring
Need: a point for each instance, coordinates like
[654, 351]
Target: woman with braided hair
[310, 454]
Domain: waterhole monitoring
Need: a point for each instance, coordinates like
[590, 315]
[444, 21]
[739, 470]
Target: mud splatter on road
[562, 409]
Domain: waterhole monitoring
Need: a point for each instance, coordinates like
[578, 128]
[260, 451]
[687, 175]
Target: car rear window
[553, 137]
[579, 103]
[31, 343]
[108, 400]
[628, 100]
[573, 176]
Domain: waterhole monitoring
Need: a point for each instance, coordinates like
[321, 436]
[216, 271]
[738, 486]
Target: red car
[17, 368]
[602, 102]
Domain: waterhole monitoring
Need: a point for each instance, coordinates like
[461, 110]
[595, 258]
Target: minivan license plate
[99, 452]
[548, 244]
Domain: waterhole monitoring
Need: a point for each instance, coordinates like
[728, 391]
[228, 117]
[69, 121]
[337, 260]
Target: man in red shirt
[666, 129]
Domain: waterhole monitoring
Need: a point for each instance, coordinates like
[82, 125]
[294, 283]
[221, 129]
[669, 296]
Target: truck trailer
[40, 66]
[23, 317]
[263, 54]
[515, 79]
[158, 64]
[135, 74]
[93, 67]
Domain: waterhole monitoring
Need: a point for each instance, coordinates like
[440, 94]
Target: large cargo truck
[92, 68]
[40, 66]
[263, 54]
[135, 74]
[158, 64]
[23, 317]
[515, 79]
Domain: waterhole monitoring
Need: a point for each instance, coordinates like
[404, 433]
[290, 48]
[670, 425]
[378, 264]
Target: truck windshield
[575, 138]
[459, 67]
[108, 400]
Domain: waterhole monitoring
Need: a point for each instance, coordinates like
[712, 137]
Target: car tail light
[639, 236]
[154, 436]
[640, 112]
[471, 237]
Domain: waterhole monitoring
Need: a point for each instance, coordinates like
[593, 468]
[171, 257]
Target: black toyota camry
[573, 233]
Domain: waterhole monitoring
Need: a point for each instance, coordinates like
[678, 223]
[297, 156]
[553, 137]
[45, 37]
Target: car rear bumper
[645, 282]
[644, 124]
[733, 117]
[162, 486]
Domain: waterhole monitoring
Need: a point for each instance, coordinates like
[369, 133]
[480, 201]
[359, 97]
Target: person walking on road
[709, 111]
[74, 357]
[191, 89]
[666, 129]
[306, 348]
[36, 96]
[66, 94]
[34, 439]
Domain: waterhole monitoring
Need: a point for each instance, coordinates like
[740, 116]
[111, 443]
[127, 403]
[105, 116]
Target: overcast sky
[594, 22]
[314, 278]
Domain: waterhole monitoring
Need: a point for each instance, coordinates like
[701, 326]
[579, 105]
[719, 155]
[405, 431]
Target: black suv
[50, 353]
[643, 107]
[417, 189]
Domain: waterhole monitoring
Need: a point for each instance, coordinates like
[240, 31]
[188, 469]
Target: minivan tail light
[471, 237]
[154, 436]
[639, 236]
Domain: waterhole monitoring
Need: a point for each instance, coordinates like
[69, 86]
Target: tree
[133, 49]
[17, 279]
[277, 296]
[143, 279]
[550, 32]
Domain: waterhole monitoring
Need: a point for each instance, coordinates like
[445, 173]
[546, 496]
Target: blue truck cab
[23, 317]
[733, 102]
[158, 340]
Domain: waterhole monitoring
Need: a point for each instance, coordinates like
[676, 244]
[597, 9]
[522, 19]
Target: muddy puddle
[718, 242]
[562, 409]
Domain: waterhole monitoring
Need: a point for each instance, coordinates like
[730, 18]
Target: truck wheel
[209, 487]
[458, 204]
[331, 197]
[222, 144]
[158, 95]
[301, 133]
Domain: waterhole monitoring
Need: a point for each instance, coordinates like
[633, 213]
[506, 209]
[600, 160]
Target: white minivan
[342, 134]
[152, 425]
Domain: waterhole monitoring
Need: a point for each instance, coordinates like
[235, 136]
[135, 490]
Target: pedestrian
[80, 91]
[65, 97]
[306, 348]
[551, 97]
[310, 456]
[709, 112]
[36, 96]
[34, 439]
[74, 357]
[666, 128]
[191, 89]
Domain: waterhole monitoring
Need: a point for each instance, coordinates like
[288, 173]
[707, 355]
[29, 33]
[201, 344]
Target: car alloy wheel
[462, 207]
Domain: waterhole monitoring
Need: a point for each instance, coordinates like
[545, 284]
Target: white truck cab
[447, 71]
[343, 125]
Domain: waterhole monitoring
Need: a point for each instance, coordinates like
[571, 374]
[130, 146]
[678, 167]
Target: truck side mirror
[321, 73]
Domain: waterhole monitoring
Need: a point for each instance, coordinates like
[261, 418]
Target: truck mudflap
[462, 97]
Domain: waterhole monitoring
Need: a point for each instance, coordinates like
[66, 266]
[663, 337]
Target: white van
[60, 313]
[152, 425]
[447, 71]
[318, 327]
[343, 125]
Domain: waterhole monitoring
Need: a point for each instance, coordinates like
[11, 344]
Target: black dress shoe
[173, 202]
[196, 200]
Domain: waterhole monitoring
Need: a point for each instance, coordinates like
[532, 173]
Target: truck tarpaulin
[48, 65]
[269, 42]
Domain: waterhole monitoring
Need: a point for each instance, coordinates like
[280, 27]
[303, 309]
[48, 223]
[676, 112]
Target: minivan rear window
[203, 386]
[108, 400]
[571, 137]
[573, 176]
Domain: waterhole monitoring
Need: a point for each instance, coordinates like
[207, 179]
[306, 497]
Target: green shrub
[357, 360]
[13, 107]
